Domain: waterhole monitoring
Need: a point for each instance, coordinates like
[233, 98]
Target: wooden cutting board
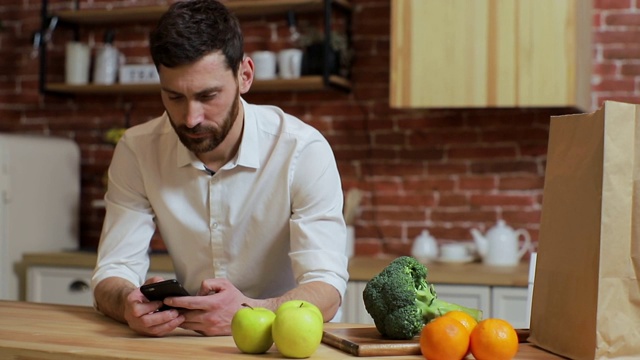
[367, 341]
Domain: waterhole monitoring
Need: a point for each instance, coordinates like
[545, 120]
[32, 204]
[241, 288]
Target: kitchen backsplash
[443, 170]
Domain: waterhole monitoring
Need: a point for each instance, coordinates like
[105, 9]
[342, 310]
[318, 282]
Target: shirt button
[214, 225]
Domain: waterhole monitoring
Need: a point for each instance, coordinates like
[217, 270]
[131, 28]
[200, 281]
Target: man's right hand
[143, 317]
[122, 301]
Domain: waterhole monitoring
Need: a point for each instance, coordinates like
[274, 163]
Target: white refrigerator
[39, 201]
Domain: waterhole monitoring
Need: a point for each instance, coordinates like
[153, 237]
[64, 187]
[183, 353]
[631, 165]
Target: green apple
[299, 303]
[251, 329]
[297, 330]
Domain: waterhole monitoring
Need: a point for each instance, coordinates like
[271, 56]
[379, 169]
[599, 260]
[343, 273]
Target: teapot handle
[527, 242]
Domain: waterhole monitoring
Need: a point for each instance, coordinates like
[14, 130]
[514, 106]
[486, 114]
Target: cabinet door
[510, 303]
[473, 296]
[353, 310]
[490, 53]
[57, 285]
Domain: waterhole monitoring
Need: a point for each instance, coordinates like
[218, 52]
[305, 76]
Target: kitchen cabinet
[65, 285]
[490, 53]
[504, 302]
[473, 296]
[510, 303]
[64, 277]
[242, 8]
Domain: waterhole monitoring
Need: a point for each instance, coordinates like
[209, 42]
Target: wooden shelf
[242, 8]
[150, 13]
[306, 83]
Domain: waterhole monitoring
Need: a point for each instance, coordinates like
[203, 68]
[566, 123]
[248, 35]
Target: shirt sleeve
[129, 221]
[318, 230]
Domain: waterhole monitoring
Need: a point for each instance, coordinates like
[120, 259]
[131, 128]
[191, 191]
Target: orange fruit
[444, 338]
[467, 320]
[493, 339]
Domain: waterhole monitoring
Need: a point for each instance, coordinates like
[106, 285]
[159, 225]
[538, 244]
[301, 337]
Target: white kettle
[499, 246]
[425, 247]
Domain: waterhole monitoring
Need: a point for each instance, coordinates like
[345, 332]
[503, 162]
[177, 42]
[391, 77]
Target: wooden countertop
[475, 273]
[360, 268]
[56, 332]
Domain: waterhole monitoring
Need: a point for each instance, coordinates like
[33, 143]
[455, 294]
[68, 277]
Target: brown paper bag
[586, 298]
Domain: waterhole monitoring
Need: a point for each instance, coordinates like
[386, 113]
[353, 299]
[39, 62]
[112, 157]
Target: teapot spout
[480, 240]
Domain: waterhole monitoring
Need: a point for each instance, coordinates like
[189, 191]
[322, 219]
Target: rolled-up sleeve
[318, 231]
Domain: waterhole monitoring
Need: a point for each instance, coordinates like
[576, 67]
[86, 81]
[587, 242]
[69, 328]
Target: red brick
[479, 152]
[611, 4]
[629, 69]
[626, 19]
[461, 216]
[431, 138]
[621, 53]
[516, 166]
[625, 84]
[533, 183]
[502, 200]
[485, 183]
[607, 68]
[448, 168]
[429, 185]
[455, 200]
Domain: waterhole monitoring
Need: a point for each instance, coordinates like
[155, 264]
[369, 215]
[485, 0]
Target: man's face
[202, 100]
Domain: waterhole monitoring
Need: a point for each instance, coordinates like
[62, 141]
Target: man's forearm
[323, 295]
[110, 295]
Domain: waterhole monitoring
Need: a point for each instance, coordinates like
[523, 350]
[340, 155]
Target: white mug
[265, 65]
[77, 61]
[454, 251]
[290, 63]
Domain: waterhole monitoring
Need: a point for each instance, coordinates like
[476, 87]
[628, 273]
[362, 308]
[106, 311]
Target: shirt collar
[247, 155]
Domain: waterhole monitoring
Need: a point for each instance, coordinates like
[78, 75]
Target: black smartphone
[160, 290]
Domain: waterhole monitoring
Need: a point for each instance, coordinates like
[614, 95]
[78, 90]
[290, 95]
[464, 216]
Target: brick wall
[444, 170]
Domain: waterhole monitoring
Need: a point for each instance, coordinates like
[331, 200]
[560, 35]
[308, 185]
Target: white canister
[77, 62]
[264, 65]
[106, 67]
[290, 63]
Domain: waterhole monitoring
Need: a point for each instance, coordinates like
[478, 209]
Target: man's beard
[216, 136]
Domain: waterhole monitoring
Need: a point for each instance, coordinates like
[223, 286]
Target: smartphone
[160, 290]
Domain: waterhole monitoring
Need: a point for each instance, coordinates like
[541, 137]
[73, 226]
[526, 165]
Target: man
[247, 198]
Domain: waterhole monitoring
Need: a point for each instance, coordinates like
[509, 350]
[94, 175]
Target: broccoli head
[401, 301]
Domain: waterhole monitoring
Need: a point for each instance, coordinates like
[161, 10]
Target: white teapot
[425, 247]
[500, 244]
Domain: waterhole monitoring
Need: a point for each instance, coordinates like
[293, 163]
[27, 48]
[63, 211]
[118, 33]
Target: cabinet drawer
[56, 285]
[70, 286]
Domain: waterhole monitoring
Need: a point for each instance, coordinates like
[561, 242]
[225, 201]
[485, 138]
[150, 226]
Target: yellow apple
[251, 329]
[297, 330]
[299, 303]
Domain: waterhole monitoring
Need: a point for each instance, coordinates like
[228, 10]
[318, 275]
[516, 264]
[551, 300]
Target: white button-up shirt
[269, 219]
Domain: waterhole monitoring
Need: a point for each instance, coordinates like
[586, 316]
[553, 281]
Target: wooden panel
[367, 341]
[305, 83]
[152, 13]
[57, 332]
[490, 53]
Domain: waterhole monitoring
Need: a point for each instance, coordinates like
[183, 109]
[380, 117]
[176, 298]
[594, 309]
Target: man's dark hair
[192, 29]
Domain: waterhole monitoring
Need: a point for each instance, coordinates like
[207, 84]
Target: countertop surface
[43, 331]
[360, 268]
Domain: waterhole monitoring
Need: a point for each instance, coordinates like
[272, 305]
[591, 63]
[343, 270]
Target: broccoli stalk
[401, 301]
